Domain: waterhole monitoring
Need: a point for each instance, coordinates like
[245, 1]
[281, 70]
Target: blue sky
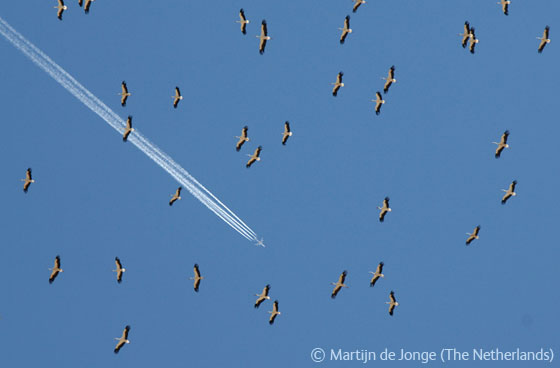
[313, 200]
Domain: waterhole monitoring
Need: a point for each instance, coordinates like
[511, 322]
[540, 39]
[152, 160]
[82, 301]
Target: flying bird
[129, 129]
[473, 236]
[122, 340]
[502, 144]
[175, 196]
[60, 9]
[124, 94]
[274, 312]
[88, 4]
[244, 21]
[505, 5]
[287, 132]
[337, 84]
[393, 303]
[389, 80]
[254, 157]
[544, 39]
[55, 270]
[262, 296]
[466, 34]
[357, 4]
[242, 139]
[378, 102]
[472, 41]
[177, 97]
[196, 277]
[263, 37]
[510, 192]
[345, 30]
[339, 284]
[377, 274]
[120, 269]
[384, 209]
[28, 180]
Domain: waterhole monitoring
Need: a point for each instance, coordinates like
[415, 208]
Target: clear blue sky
[313, 200]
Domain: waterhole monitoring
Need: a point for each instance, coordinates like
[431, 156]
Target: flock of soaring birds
[468, 37]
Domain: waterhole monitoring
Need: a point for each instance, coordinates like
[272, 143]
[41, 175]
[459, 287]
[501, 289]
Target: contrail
[136, 138]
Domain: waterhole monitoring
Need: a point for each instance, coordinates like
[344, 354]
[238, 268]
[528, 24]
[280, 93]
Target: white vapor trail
[136, 138]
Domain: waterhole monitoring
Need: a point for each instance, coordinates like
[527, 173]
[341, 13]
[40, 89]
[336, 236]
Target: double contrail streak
[136, 138]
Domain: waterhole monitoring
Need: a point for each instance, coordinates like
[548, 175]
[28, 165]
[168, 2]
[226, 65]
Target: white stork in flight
[472, 40]
[88, 4]
[466, 34]
[254, 157]
[377, 274]
[55, 270]
[28, 180]
[287, 133]
[544, 39]
[502, 144]
[263, 37]
[244, 21]
[510, 192]
[196, 278]
[378, 102]
[274, 312]
[176, 196]
[389, 80]
[357, 4]
[384, 209]
[505, 6]
[242, 139]
[129, 129]
[393, 303]
[60, 9]
[339, 284]
[345, 30]
[473, 236]
[177, 97]
[262, 296]
[120, 269]
[124, 93]
[122, 340]
[337, 84]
